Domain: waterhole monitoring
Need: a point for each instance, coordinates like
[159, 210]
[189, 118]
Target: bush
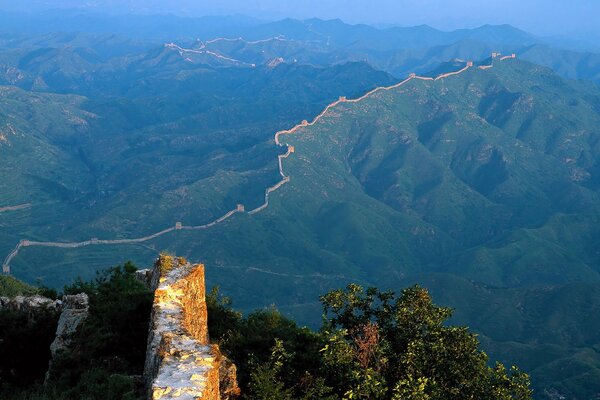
[107, 350]
[373, 345]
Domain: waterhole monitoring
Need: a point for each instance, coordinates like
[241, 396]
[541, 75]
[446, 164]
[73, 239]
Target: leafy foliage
[113, 338]
[374, 345]
[107, 350]
[251, 340]
[10, 287]
[382, 347]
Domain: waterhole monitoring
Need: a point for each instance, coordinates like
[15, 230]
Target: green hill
[188, 145]
[481, 186]
[10, 287]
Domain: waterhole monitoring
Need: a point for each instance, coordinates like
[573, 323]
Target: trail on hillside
[15, 208]
[240, 208]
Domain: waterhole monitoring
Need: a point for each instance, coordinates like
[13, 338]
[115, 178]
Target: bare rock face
[180, 362]
[29, 304]
[144, 276]
[71, 311]
[228, 386]
[75, 309]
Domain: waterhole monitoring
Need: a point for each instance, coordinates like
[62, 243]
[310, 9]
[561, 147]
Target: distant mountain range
[483, 186]
[104, 43]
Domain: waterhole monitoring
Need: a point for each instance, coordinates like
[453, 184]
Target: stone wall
[180, 361]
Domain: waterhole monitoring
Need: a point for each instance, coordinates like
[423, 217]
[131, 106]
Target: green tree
[110, 345]
[385, 347]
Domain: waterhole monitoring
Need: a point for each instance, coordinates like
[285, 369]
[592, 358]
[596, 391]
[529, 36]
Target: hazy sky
[538, 16]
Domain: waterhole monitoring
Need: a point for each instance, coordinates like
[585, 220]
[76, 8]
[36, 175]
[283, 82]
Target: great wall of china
[203, 50]
[240, 208]
[181, 362]
[181, 51]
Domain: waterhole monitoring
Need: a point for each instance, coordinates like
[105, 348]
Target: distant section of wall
[180, 362]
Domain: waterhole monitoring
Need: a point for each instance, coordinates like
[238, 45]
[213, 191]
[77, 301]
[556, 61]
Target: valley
[239, 208]
[405, 163]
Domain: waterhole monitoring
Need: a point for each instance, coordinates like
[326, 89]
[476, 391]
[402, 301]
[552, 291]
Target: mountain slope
[484, 181]
[172, 146]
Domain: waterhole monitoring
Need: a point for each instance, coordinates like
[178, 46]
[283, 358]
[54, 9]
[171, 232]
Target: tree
[380, 346]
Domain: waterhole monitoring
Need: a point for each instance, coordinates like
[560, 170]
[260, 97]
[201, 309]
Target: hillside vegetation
[482, 184]
[373, 345]
[11, 287]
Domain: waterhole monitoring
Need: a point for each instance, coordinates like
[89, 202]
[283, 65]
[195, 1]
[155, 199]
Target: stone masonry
[180, 361]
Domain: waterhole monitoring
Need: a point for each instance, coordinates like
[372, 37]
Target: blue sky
[539, 16]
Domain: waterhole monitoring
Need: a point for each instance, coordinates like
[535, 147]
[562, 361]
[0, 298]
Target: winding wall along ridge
[203, 50]
[241, 39]
[240, 208]
[181, 50]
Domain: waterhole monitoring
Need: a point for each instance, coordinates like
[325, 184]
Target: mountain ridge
[239, 208]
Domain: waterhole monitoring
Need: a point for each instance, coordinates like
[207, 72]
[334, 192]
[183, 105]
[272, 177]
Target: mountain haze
[293, 157]
[450, 183]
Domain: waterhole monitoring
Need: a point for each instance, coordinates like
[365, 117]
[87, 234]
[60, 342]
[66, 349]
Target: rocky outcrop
[30, 304]
[228, 386]
[75, 309]
[71, 311]
[180, 361]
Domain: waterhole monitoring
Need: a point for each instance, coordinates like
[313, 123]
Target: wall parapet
[180, 361]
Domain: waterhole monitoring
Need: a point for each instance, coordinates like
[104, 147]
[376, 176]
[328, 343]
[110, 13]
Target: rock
[228, 385]
[75, 310]
[144, 276]
[30, 305]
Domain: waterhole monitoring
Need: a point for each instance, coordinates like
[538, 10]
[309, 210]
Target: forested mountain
[483, 185]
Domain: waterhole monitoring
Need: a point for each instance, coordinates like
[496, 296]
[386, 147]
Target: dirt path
[15, 208]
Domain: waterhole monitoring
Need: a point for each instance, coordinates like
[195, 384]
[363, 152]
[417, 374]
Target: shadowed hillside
[462, 182]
